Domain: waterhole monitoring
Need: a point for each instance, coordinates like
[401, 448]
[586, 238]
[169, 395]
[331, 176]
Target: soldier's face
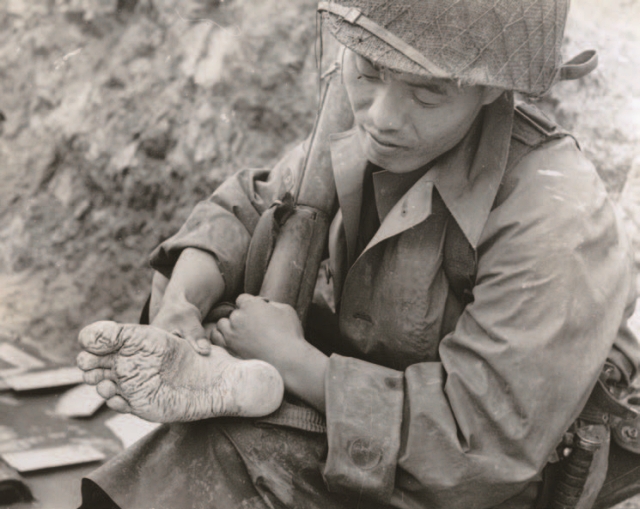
[405, 121]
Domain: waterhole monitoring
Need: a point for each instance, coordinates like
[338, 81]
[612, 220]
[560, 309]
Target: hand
[259, 329]
[183, 319]
[272, 332]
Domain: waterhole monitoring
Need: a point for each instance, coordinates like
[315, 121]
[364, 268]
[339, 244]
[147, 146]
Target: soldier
[480, 280]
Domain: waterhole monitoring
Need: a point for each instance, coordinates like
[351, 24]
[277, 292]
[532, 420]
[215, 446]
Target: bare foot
[158, 376]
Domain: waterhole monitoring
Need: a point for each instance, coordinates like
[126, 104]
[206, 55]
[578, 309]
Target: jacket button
[365, 453]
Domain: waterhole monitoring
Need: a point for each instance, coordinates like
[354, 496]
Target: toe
[87, 361]
[101, 338]
[107, 389]
[95, 376]
[119, 404]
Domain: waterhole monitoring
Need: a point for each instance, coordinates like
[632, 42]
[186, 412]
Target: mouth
[382, 142]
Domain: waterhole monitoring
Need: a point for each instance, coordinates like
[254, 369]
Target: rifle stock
[292, 271]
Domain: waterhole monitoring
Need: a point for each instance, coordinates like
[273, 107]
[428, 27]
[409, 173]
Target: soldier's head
[418, 72]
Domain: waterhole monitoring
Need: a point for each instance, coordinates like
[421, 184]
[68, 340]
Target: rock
[9, 335]
[124, 158]
[88, 8]
[62, 187]
[193, 44]
[157, 142]
[82, 209]
[209, 69]
[25, 8]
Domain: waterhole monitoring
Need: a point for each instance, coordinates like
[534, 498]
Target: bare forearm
[305, 377]
[196, 280]
[179, 305]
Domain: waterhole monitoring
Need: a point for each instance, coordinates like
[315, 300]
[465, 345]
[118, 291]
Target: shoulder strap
[531, 129]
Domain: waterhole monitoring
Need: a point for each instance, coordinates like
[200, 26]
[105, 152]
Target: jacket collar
[467, 177]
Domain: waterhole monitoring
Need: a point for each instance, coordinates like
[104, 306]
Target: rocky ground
[116, 116]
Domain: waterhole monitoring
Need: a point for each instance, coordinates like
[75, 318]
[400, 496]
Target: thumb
[200, 345]
[214, 335]
[197, 339]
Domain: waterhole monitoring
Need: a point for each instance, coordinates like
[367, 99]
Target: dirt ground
[117, 116]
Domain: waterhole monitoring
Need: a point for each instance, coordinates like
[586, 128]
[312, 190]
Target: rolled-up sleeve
[365, 406]
[477, 427]
[224, 223]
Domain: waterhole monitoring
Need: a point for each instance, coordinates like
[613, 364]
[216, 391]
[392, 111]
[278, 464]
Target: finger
[222, 310]
[204, 346]
[87, 361]
[119, 404]
[102, 338]
[215, 336]
[107, 389]
[224, 326]
[95, 376]
[200, 345]
[280, 305]
[245, 299]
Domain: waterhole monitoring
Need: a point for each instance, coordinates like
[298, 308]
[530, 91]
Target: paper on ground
[38, 459]
[129, 428]
[16, 357]
[4, 386]
[81, 401]
[45, 379]
[19, 360]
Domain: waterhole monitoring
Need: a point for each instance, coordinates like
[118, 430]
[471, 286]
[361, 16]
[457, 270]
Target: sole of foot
[158, 376]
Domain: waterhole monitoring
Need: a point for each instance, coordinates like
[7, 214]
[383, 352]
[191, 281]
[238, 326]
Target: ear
[490, 94]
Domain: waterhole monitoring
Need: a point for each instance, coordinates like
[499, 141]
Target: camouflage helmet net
[511, 44]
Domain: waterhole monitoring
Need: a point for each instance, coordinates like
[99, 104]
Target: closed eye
[427, 98]
[367, 69]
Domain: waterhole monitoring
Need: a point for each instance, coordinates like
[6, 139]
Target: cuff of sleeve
[213, 229]
[364, 404]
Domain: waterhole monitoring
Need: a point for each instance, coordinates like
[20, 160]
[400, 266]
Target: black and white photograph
[337, 254]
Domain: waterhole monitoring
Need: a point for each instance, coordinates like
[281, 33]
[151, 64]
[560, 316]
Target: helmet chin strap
[579, 66]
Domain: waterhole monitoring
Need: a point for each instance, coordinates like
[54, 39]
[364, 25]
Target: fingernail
[204, 346]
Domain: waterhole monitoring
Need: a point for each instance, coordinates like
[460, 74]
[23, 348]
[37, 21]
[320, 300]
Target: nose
[388, 109]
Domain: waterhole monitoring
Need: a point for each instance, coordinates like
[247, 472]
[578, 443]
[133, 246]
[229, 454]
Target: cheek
[358, 98]
[444, 127]
[358, 90]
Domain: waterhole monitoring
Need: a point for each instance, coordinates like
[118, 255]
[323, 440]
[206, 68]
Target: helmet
[510, 44]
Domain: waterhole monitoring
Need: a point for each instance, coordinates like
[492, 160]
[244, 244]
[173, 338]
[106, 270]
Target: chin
[400, 160]
[394, 165]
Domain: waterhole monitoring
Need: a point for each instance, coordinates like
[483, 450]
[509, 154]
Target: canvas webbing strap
[355, 17]
[296, 416]
[579, 66]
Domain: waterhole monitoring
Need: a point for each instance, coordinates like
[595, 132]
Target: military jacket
[447, 402]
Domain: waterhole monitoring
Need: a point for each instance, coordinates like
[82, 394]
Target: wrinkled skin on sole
[158, 376]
